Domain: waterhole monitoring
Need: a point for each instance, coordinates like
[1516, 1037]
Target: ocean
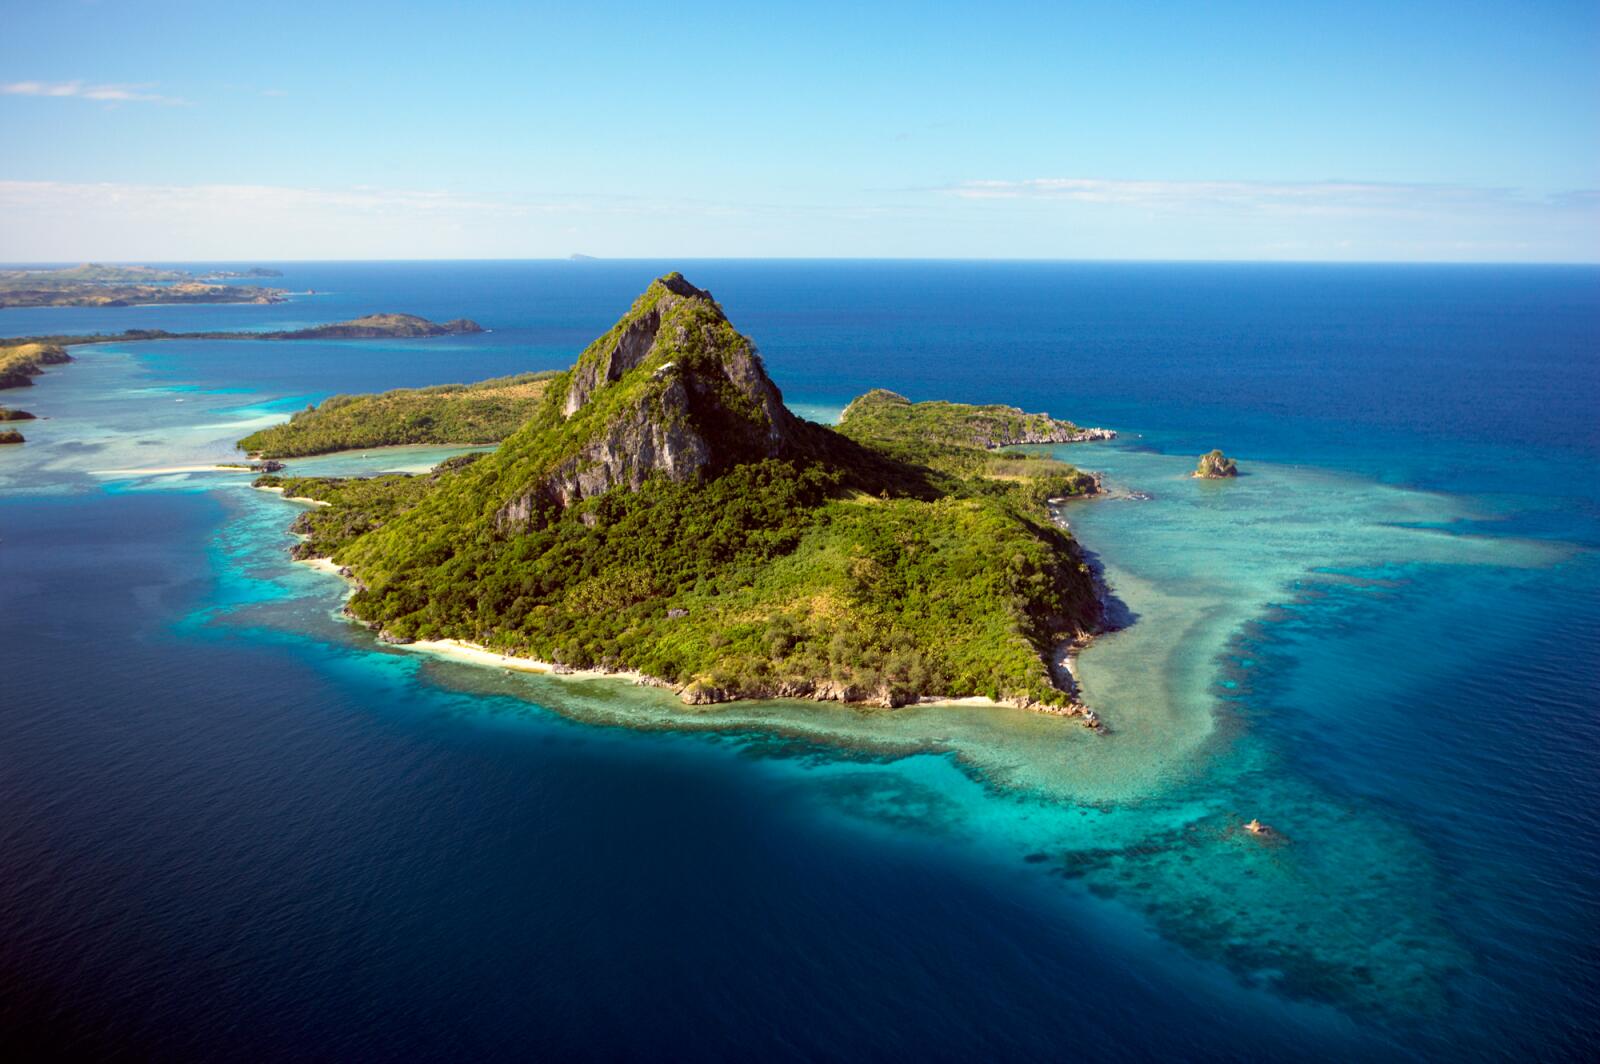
[233, 825]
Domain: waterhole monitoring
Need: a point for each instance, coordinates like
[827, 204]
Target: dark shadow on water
[1115, 614]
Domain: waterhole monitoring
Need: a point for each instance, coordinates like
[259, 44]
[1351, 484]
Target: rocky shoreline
[1065, 434]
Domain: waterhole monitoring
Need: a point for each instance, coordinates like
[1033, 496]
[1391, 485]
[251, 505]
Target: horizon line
[588, 259]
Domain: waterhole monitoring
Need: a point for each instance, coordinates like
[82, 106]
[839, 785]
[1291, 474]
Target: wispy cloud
[82, 90]
[1063, 218]
[1279, 197]
[124, 220]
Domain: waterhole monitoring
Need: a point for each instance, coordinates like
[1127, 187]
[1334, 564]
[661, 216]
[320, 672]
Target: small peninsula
[9, 414]
[1214, 465]
[661, 513]
[486, 412]
[890, 417]
[94, 285]
[379, 326]
[11, 436]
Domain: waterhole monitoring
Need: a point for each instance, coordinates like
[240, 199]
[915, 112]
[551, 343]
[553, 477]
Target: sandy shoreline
[296, 498]
[473, 653]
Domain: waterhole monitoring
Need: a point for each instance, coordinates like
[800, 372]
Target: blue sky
[1353, 131]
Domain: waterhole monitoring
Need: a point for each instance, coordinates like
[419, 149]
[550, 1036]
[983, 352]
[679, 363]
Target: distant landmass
[378, 326]
[96, 285]
[661, 513]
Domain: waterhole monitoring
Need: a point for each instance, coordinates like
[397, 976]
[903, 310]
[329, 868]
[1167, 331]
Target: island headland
[21, 361]
[661, 514]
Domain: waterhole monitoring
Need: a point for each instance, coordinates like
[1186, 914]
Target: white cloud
[84, 91]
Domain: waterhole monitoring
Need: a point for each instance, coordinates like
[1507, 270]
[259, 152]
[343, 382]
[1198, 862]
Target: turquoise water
[1379, 640]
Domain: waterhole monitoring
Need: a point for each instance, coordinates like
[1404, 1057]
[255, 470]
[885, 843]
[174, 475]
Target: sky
[172, 131]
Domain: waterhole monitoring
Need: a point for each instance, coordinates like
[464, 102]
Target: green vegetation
[11, 436]
[955, 438]
[356, 505]
[486, 412]
[1214, 465]
[893, 419]
[21, 362]
[7, 414]
[662, 511]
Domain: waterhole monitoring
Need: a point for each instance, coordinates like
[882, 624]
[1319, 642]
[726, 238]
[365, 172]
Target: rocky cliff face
[671, 389]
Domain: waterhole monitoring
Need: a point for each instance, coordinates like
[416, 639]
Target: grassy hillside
[486, 412]
[20, 363]
[893, 419]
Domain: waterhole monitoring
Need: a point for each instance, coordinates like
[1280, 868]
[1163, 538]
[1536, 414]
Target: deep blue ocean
[233, 826]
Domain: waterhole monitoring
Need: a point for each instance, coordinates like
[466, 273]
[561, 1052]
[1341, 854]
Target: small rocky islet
[1214, 465]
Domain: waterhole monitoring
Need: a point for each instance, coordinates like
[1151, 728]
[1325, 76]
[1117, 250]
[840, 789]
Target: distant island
[7, 414]
[661, 514]
[1214, 465]
[94, 285]
[11, 436]
[378, 326]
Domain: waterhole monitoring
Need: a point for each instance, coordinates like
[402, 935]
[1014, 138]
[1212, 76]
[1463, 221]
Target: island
[485, 412]
[94, 285]
[1214, 465]
[11, 436]
[8, 414]
[379, 326]
[662, 515]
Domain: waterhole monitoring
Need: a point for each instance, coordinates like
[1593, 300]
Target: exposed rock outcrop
[1214, 465]
[708, 403]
